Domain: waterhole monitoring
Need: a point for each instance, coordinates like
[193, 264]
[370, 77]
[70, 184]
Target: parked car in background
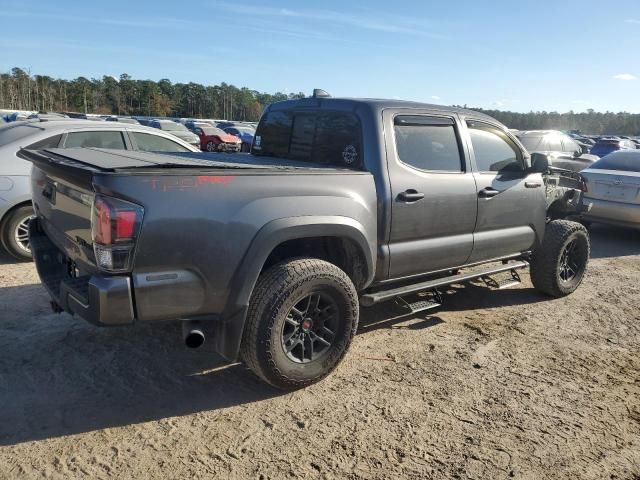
[213, 139]
[44, 116]
[15, 191]
[562, 150]
[145, 121]
[225, 124]
[605, 146]
[613, 189]
[192, 124]
[131, 121]
[178, 130]
[245, 134]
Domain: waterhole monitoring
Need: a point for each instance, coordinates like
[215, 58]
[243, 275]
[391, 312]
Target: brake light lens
[115, 225]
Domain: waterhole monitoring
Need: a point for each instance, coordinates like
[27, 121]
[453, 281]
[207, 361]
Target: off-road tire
[8, 229]
[275, 294]
[546, 260]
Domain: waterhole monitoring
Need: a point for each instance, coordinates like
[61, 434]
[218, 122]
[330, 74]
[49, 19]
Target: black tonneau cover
[118, 160]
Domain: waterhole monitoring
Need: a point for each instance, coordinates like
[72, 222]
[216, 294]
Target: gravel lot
[494, 385]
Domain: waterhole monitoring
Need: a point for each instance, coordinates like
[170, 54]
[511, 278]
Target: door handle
[410, 195]
[488, 192]
[532, 184]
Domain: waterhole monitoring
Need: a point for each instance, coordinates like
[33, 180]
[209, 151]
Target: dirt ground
[502, 384]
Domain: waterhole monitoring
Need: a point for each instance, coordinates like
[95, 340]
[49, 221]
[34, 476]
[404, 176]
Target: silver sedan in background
[613, 189]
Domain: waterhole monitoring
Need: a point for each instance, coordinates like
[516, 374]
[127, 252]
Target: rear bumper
[611, 212]
[100, 300]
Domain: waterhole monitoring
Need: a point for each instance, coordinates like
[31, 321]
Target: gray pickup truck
[342, 203]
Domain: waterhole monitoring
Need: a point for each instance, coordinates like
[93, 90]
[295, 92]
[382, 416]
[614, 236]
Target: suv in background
[15, 191]
[562, 150]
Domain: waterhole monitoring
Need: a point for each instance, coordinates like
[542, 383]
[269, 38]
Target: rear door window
[103, 139]
[428, 143]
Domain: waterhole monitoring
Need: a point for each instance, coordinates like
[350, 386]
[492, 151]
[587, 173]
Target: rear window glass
[51, 142]
[95, 140]
[11, 133]
[623, 161]
[326, 138]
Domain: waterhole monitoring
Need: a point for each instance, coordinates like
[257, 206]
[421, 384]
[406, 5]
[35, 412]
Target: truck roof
[375, 104]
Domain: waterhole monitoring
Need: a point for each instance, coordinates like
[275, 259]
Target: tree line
[20, 90]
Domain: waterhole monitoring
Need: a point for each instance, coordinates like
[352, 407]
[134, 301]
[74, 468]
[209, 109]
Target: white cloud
[500, 103]
[625, 76]
[402, 25]
[435, 97]
[633, 21]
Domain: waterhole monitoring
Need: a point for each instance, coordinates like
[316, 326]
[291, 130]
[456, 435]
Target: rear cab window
[321, 137]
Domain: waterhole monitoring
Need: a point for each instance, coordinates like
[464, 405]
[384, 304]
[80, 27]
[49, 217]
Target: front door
[511, 202]
[433, 192]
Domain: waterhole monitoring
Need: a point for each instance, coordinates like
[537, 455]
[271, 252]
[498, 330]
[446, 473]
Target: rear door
[433, 193]
[511, 203]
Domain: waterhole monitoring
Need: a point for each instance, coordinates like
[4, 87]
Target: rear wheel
[302, 316]
[15, 233]
[211, 147]
[558, 266]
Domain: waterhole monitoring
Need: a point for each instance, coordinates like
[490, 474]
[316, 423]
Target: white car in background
[613, 189]
[15, 189]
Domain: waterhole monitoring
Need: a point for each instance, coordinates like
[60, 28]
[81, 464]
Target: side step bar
[370, 299]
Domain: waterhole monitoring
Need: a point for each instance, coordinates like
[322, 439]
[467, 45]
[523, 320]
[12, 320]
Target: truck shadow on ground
[60, 376]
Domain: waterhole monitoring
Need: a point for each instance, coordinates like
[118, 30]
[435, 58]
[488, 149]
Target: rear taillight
[115, 225]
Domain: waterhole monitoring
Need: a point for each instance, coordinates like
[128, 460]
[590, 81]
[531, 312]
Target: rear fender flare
[271, 235]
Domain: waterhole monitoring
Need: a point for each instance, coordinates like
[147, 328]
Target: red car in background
[213, 139]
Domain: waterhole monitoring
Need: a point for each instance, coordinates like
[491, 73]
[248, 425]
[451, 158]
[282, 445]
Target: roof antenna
[319, 93]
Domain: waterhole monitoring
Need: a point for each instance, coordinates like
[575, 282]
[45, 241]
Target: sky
[510, 55]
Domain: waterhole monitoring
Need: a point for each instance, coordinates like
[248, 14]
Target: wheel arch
[263, 251]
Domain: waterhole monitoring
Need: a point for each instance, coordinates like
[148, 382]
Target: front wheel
[559, 264]
[302, 317]
[211, 147]
[15, 233]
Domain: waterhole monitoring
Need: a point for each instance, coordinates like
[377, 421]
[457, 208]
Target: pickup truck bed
[212, 218]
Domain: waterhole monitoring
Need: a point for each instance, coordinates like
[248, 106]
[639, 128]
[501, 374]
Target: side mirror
[539, 163]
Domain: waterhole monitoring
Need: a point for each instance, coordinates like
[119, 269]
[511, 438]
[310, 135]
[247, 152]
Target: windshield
[623, 161]
[11, 133]
[173, 127]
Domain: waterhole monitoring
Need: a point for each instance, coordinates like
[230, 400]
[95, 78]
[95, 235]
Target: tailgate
[63, 197]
